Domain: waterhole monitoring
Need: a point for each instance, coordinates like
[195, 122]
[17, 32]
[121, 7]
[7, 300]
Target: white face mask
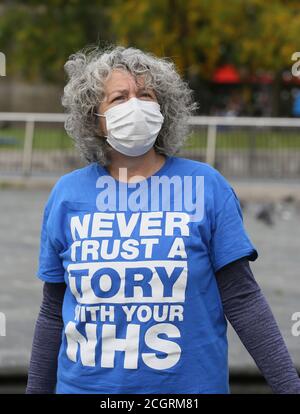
[132, 126]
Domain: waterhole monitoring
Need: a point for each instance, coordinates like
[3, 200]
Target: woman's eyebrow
[143, 89]
[123, 91]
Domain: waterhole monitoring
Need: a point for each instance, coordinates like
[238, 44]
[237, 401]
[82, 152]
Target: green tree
[201, 34]
[37, 37]
[198, 35]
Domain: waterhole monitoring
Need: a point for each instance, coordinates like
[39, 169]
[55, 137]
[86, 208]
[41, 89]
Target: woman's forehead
[122, 78]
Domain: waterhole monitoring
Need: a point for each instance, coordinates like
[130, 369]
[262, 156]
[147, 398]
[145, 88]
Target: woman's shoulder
[76, 177]
[74, 183]
[213, 179]
[190, 166]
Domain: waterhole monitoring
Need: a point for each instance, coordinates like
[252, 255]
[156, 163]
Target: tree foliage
[198, 35]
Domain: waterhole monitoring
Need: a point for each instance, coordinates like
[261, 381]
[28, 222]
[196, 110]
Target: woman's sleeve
[50, 268]
[251, 317]
[46, 342]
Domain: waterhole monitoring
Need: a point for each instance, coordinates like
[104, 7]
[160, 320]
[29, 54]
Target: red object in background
[226, 74]
[230, 75]
[287, 77]
[261, 77]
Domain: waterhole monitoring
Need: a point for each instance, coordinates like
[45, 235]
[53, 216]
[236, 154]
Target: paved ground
[277, 271]
[251, 190]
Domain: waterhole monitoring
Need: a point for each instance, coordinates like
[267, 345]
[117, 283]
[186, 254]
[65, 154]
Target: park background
[237, 58]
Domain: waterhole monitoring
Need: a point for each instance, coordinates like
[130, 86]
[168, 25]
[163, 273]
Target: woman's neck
[143, 166]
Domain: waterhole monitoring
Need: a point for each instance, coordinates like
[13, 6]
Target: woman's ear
[102, 126]
[99, 125]
[101, 121]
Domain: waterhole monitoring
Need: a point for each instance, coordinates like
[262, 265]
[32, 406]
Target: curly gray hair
[88, 69]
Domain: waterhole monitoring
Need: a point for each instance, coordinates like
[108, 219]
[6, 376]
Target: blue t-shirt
[142, 311]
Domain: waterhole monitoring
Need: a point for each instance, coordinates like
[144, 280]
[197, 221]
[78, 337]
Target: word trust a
[156, 193]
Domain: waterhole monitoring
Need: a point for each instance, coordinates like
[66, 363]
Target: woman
[143, 253]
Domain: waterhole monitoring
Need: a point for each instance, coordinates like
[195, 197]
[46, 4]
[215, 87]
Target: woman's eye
[117, 98]
[147, 95]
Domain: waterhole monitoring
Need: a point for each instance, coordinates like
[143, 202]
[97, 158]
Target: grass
[227, 138]
[245, 139]
[44, 138]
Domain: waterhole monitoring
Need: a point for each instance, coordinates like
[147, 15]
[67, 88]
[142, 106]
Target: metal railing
[212, 123]
[238, 146]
